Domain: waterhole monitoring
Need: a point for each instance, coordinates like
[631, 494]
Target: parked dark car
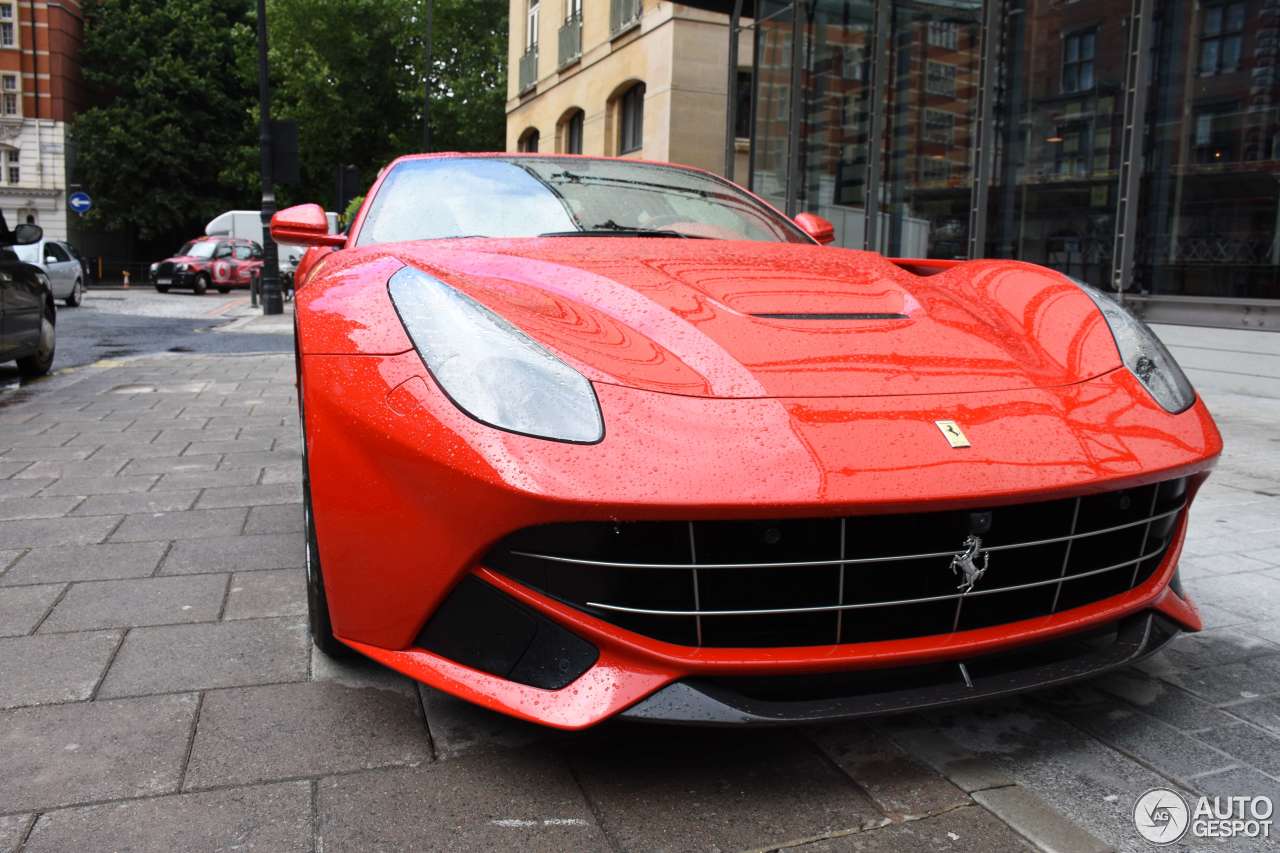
[27, 313]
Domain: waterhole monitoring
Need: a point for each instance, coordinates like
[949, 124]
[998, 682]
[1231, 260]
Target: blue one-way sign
[80, 203]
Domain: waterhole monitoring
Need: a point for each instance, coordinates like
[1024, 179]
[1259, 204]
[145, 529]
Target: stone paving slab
[258, 734]
[272, 818]
[494, 801]
[46, 532]
[279, 592]
[962, 829]
[691, 790]
[195, 524]
[54, 668]
[12, 509]
[23, 608]
[235, 553]
[181, 658]
[899, 786]
[144, 601]
[137, 502]
[13, 829]
[111, 561]
[58, 755]
[85, 486]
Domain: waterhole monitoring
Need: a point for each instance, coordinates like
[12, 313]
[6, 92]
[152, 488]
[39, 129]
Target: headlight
[1144, 354]
[491, 370]
[155, 267]
[181, 268]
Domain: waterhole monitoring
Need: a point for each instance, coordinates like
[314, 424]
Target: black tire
[162, 288]
[317, 602]
[41, 362]
[224, 290]
[76, 296]
[202, 284]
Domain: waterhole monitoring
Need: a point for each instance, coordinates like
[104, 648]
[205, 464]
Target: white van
[247, 225]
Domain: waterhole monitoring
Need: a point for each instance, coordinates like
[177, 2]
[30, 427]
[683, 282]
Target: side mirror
[305, 224]
[816, 227]
[26, 234]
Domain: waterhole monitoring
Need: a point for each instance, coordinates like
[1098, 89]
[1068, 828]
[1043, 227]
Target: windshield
[197, 249]
[537, 197]
[32, 253]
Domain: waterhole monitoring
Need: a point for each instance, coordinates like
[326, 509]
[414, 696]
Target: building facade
[1133, 144]
[639, 78]
[40, 90]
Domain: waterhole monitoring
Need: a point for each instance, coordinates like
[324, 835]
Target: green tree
[469, 89]
[166, 114]
[351, 74]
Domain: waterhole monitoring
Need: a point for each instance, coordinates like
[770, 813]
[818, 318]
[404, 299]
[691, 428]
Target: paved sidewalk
[158, 690]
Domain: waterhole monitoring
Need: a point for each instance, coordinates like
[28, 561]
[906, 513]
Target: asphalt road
[139, 321]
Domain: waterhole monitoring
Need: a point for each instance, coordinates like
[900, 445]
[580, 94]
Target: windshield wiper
[613, 229]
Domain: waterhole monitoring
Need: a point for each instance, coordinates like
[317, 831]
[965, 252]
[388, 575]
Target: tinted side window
[223, 251]
[243, 253]
[56, 252]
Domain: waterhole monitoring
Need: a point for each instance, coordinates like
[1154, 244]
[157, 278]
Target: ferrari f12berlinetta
[590, 437]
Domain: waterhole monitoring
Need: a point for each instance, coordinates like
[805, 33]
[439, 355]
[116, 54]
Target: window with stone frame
[8, 24]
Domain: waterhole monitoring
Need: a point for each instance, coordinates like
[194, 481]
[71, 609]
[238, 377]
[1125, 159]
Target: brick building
[40, 90]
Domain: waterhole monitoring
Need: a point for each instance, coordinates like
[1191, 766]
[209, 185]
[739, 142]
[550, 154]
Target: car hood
[745, 319]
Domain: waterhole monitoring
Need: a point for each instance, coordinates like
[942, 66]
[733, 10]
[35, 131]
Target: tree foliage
[174, 138]
[167, 112]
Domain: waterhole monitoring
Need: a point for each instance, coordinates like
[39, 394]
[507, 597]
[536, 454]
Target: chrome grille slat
[697, 599]
[840, 593]
[890, 558]
[1066, 557]
[759, 583]
[1146, 535]
[867, 605]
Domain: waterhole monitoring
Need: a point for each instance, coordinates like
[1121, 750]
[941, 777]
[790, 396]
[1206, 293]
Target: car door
[60, 268]
[23, 297]
[6, 284]
[244, 264]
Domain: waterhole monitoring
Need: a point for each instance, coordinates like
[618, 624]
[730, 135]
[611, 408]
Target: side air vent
[867, 316]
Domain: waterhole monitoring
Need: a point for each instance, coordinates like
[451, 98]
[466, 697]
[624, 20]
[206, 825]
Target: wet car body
[28, 316]
[822, 484]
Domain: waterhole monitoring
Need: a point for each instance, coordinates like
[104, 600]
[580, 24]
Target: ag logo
[1161, 816]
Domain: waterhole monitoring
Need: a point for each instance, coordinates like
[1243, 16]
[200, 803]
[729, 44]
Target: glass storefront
[1134, 145]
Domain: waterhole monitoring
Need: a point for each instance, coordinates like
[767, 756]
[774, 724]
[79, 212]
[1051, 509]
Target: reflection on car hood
[738, 319]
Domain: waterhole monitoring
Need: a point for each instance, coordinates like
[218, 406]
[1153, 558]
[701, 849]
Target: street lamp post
[426, 86]
[272, 298]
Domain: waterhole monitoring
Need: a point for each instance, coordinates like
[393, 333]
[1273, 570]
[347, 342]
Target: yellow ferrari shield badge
[952, 433]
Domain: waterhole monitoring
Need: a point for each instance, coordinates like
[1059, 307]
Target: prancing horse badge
[952, 433]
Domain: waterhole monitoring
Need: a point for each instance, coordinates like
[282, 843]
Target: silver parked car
[61, 263]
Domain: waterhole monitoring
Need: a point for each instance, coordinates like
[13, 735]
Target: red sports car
[588, 438]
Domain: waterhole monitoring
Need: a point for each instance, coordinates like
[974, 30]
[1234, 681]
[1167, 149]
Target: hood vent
[807, 316]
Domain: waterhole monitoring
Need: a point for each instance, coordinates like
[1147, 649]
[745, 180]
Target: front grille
[165, 268]
[817, 581]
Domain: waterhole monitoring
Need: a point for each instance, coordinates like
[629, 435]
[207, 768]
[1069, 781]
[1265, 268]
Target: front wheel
[317, 602]
[202, 284]
[76, 296]
[41, 362]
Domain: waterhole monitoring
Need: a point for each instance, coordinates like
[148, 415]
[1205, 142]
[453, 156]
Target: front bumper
[714, 702]
[182, 280]
[441, 489]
